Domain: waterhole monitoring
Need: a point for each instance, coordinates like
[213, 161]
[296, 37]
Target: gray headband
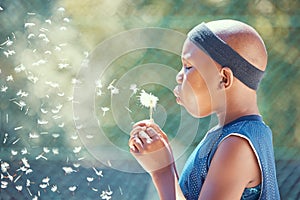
[223, 54]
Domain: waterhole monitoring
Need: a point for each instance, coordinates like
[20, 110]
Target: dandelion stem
[151, 113]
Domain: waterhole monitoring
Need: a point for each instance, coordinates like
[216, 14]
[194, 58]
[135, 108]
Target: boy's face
[198, 88]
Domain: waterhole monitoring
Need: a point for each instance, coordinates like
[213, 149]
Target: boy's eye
[187, 68]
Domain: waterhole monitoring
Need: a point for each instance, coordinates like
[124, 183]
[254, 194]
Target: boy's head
[220, 59]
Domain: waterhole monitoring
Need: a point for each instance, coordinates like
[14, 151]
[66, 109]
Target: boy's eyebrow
[185, 57]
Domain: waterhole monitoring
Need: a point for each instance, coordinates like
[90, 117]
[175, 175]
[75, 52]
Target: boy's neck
[237, 107]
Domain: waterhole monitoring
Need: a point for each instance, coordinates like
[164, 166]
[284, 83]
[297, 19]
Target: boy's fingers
[136, 130]
[135, 142]
[145, 122]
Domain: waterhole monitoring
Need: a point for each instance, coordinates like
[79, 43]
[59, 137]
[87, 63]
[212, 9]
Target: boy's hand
[149, 145]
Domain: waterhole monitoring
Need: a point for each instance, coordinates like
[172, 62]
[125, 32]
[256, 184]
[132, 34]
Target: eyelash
[187, 68]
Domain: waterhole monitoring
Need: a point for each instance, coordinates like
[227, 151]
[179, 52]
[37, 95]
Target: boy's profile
[223, 63]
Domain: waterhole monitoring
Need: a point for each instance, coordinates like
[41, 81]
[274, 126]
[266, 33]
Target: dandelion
[149, 101]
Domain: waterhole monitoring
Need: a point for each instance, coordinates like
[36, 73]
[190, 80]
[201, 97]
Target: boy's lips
[176, 94]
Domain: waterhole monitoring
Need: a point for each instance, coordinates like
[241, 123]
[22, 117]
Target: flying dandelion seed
[46, 149]
[68, 170]
[55, 135]
[4, 88]
[19, 188]
[17, 140]
[4, 184]
[98, 173]
[72, 189]
[74, 137]
[61, 9]
[28, 171]
[9, 78]
[60, 94]
[89, 179]
[24, 151]
[54, 188]
[9, 53]
[89, 136]
[104, 110]
[29, 24]
[46, 180]
[134, 89]
[61, 125]
[149, 101]
[16, 179]
[98, 84]
[48, 21]
[77, 149]
[41, 156]
[30, 36]
[14, 152]
[43, 186]
[76, 165]
[5, 138]
[1, 9]
[25, 162]
[67, 20]
[42, 122]
[20, 68]
[55, 151]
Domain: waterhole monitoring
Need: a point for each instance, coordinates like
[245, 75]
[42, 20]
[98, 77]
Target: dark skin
[204, 87]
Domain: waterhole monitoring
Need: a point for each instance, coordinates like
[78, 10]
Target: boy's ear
[226, 77]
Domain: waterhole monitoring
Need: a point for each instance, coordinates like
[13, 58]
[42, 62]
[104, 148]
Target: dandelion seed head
[148, 100]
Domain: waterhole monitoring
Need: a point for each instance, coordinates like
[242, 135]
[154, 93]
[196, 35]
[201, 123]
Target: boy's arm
[166, 183]
[149, 145]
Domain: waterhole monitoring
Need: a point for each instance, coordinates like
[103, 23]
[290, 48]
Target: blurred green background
[42, 46]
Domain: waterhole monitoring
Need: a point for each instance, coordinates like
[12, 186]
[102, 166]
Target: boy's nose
[179, 76]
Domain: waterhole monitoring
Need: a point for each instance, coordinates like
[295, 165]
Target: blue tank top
[259, 136]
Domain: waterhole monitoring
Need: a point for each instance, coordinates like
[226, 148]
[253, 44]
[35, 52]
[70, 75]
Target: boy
[223, 63]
